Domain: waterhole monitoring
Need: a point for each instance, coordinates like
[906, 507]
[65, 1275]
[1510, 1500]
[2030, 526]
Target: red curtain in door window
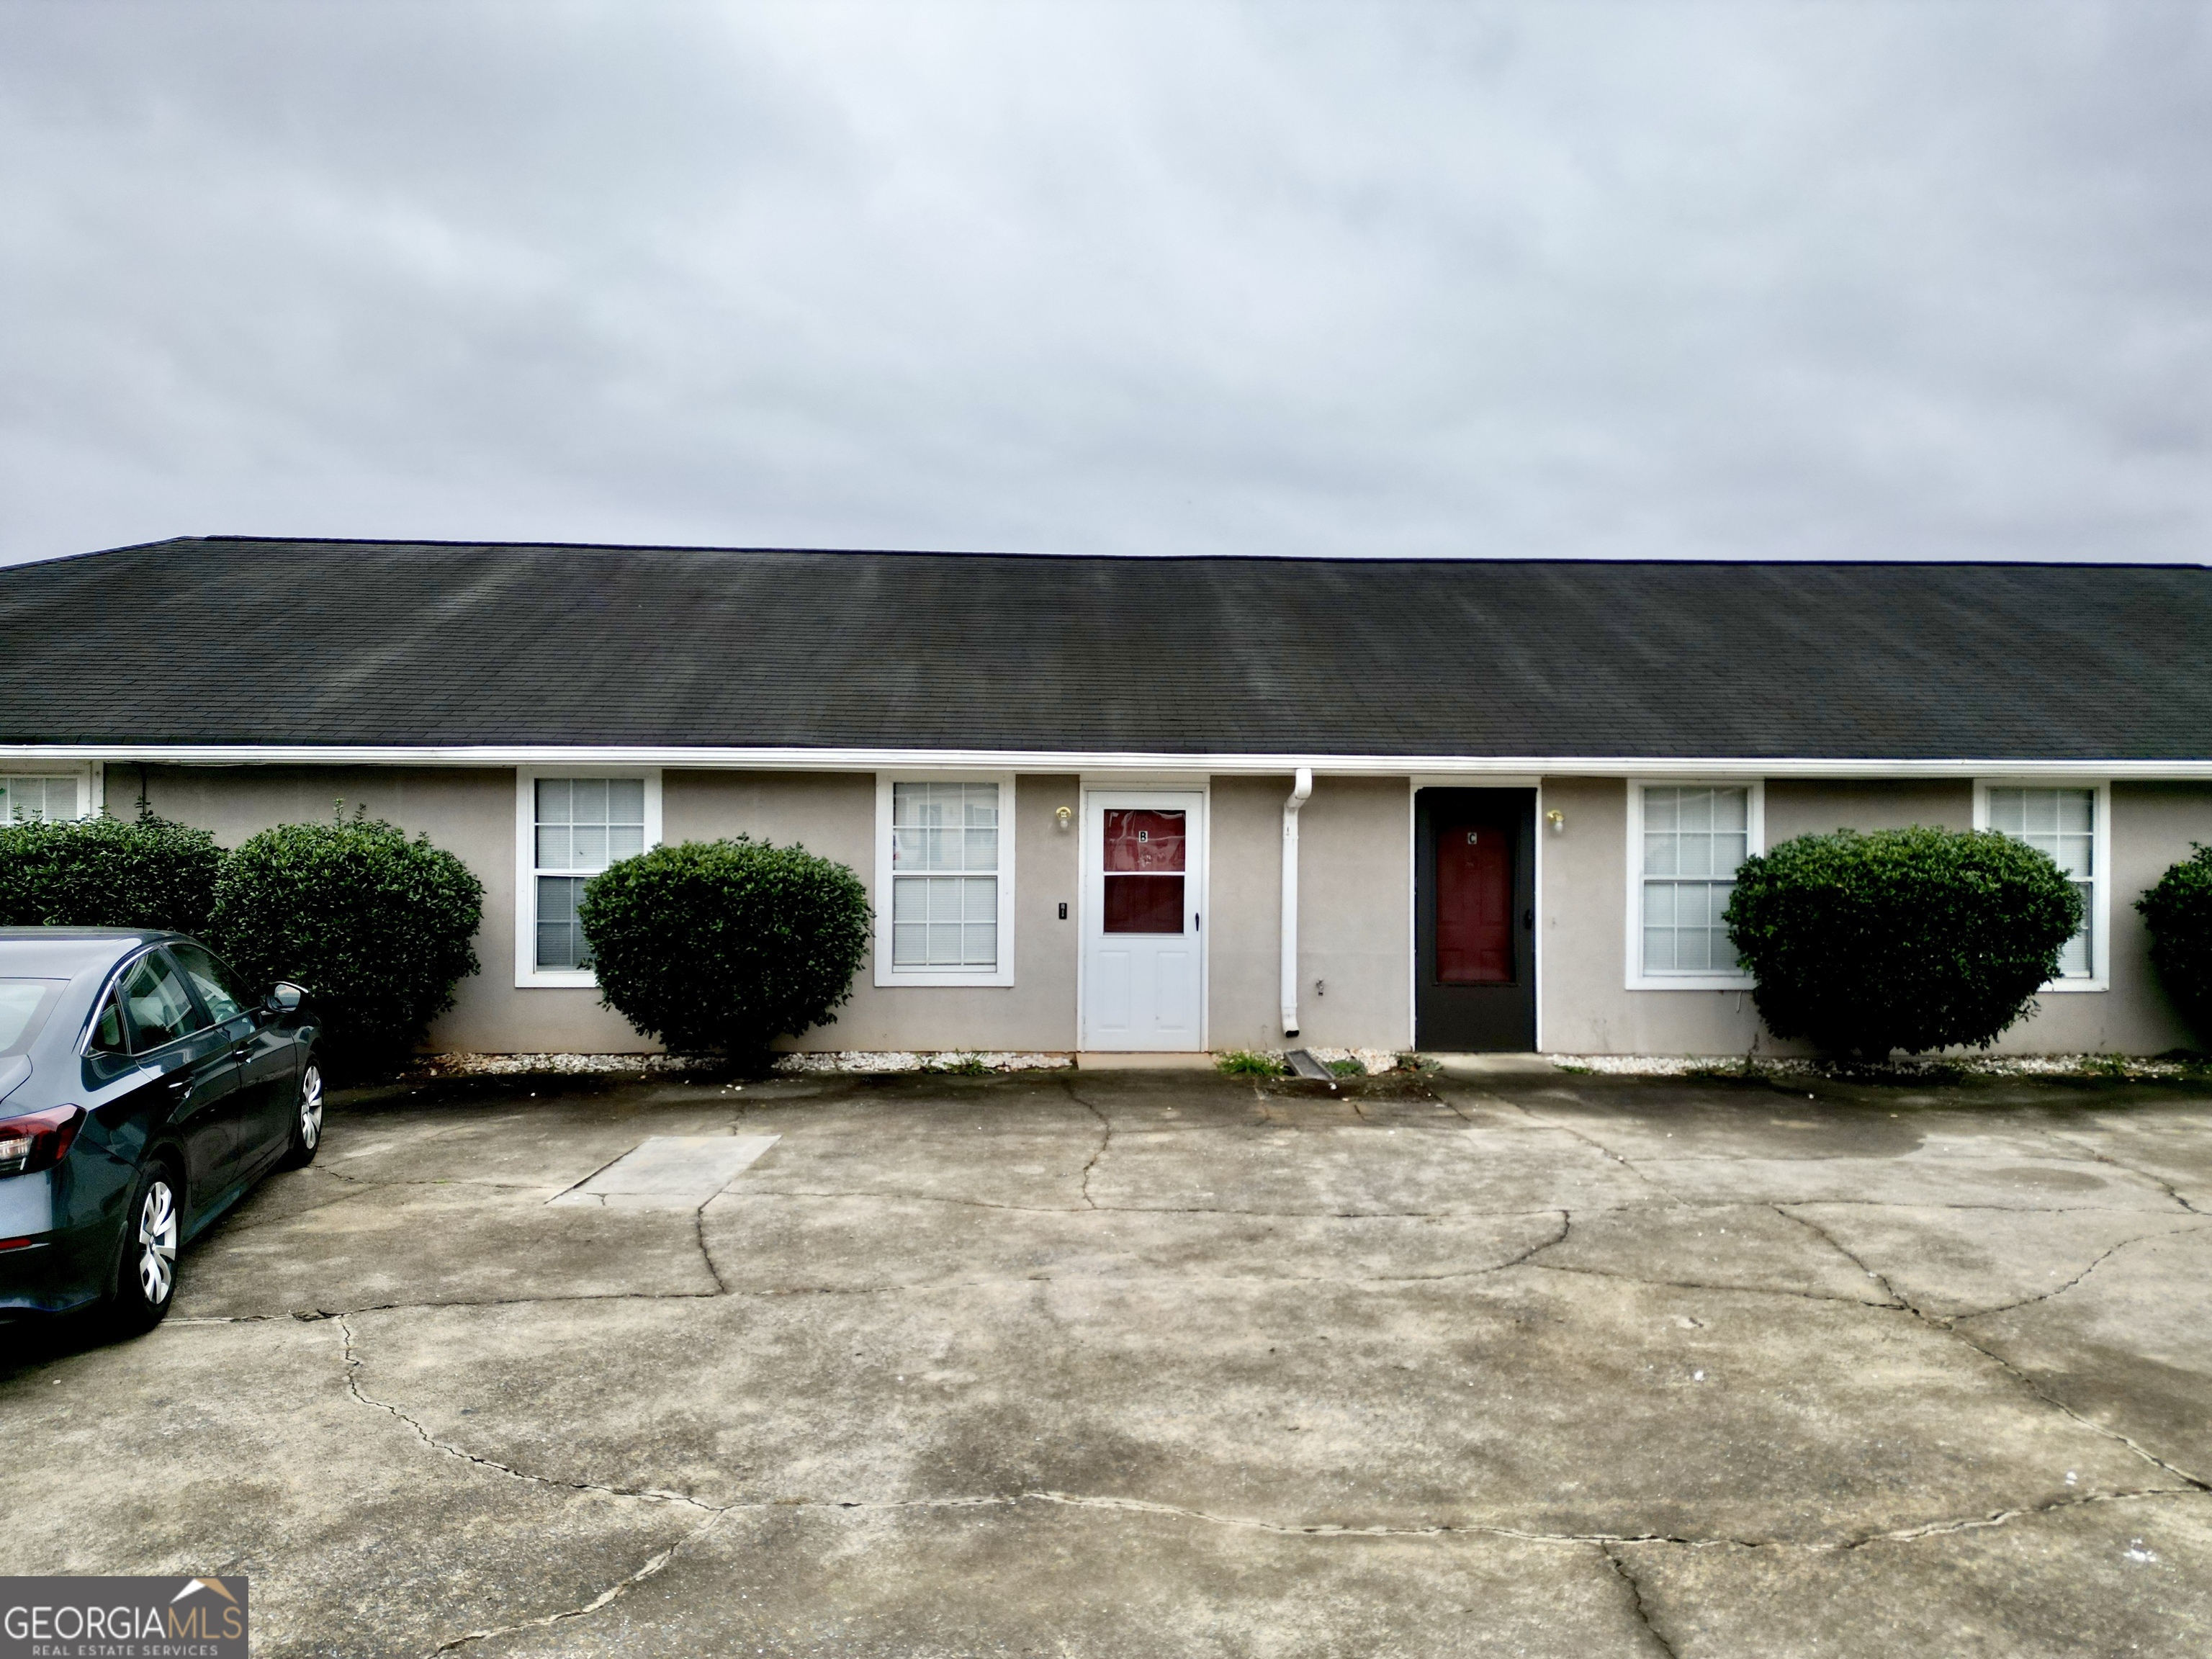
[1475, 905]
[1143, 855]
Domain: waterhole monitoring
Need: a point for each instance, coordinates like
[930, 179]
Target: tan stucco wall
[468, 814]
[1354, 895]
[834, 816]
[2152, 825]
[1587, 1007]
[472, 814]
[1355, 914]
[1798, 807]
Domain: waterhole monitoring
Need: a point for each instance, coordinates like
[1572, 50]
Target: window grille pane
[1694, 838]
[2063, 824]
[586, 824]
[1683, 929]
[2075, 956]
[950, 827]
[945, 921]
[29, 799]
[560, 935]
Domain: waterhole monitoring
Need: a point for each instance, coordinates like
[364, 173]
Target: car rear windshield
[24, 1005]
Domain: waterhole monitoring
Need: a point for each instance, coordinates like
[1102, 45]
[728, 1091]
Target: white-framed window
[1685, 840]
[2072, 821]
[945, 878]
[51, 796]
[568, 826]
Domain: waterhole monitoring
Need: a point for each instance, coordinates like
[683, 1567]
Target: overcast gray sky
[1756, 280]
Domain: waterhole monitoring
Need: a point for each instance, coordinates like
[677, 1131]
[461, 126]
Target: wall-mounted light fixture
[1065, 814]
[1557, 820]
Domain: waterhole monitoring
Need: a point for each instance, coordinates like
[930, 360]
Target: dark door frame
[1501, 1018]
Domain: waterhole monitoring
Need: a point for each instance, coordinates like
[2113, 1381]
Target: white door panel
[1144, 855]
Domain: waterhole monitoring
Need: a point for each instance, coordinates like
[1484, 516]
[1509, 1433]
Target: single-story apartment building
[1151, 804]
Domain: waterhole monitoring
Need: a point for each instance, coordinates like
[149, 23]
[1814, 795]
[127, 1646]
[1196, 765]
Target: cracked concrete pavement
[1139, 1364]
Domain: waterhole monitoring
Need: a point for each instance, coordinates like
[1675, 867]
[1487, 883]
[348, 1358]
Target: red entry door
[1474, 904]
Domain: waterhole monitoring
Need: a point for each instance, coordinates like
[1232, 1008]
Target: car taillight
[37, 1140]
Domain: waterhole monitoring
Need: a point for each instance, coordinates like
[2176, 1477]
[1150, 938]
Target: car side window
[107, 1030]
[155, 1004]
[216, 984]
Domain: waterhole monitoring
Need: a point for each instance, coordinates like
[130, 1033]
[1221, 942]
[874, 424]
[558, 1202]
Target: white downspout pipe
[1300, 790]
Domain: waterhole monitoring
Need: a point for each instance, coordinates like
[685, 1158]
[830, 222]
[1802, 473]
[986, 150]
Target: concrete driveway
[1142, 1364]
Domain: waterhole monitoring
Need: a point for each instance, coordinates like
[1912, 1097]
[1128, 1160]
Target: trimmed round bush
[376, 927]
[2179, 912]
[1919, 938]
[108, 872]
[725, 944]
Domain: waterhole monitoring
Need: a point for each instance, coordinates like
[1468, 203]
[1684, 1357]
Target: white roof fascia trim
[1082, 761]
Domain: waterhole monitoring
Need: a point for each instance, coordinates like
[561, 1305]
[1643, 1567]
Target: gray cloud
[1786, 280]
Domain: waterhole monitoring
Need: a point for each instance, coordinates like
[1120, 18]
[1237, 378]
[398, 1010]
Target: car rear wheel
[146, 1278]
[307, 1117]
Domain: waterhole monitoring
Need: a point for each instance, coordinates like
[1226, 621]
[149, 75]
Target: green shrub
[2179, 912]
[108, 872]
[725, 944]
[1900, 938]
[376, 927]
[1243, 1062]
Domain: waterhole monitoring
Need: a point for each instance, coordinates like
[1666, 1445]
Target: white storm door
[1143, 981]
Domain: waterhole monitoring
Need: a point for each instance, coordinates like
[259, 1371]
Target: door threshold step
[1493, 1065]
[1097, 1060]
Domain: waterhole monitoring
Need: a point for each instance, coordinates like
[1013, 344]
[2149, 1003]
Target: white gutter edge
[1079, 761]
[1300, 789]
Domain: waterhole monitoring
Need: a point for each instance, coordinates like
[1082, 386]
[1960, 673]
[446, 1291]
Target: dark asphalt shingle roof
[250, 642]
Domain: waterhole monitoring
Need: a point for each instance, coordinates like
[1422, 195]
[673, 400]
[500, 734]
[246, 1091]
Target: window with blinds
[944, 876]
[1695, 837]
[26, 799]
[583, 825]
[2063, 824]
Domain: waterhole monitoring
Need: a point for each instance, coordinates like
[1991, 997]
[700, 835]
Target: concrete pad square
[1953, 1262]
[2131, 1577]
[1042, 1578]
[246, 1451]
[1732, 1246]
[2129, 1345]
[1692, 1413]
[783, 1242]
[670, 1172]
[440, 1243]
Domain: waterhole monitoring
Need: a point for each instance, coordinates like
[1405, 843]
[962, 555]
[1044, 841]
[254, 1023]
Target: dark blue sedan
[143, 1090]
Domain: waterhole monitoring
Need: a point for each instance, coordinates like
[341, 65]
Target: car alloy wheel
[311, 1107]
[157, 1243]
